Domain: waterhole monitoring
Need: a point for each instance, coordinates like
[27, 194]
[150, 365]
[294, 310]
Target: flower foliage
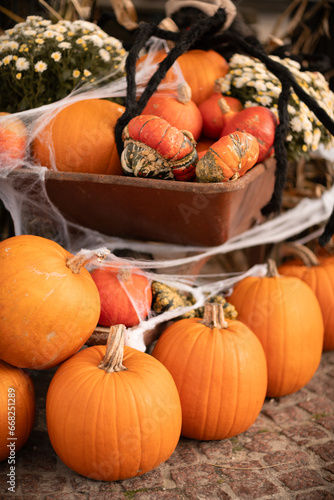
[250, 81]
[42, 62]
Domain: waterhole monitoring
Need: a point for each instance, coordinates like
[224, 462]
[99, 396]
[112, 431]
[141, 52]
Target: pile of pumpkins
[114, 412]
[207, 137]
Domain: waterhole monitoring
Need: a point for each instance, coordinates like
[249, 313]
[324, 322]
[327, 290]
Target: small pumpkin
[125, 295]
[49, 303]
[213, 118]
[17, 410]
[80, 138]
[228, 158]
[13, 139]
[220, 371]
[318, 274]
[113, 412]
[285, 315]
[178, 110]
[153, 148]
[258, 121]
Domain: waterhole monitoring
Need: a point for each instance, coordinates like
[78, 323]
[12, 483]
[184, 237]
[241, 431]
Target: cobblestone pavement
[288, 453]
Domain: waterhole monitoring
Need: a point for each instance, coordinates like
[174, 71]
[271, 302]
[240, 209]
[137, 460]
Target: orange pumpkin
[200, 69]
[13, 139]
[220, 371]
[112, 412]
[213, 118]
[80, 138]
[285, 315]
[17, 410]
[319, 276]
[125, 295]
[228, 158]
[178, 110]
[49, 303]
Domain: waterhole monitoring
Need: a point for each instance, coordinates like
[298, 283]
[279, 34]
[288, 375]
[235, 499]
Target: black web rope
[185, 39]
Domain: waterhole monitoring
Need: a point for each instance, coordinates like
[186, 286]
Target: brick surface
[287, 454]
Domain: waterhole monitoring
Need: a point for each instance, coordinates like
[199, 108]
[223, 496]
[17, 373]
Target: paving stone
[194, 474]
[301, 479]
[307, 432]
[216, 451]
[157, 495]
[316, 495]
[326, 422]
[325, 451]
[106, 496]
[318, 406]
[284, 415]
[286, 460]
[266, 441]
[65, 496]
[329, 467]
[185, 453]
[151, 479]
[206, 493]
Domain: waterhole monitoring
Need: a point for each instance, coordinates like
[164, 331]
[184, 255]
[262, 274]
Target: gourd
[203, 145]
[13, 139]
[285, 315]
[318, 274]
[49, 303]
[213, 118]
[220, 371]
[228, 158]
[125, 295]
[153, 148]
[178, 110]
[200, 69]
[256, 120]
[113, 412]
[80, 138]
[17, 409]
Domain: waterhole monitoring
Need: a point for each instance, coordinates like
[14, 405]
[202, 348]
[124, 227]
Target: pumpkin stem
[223, 106]
[77, 261]
[184, 93]
[112, 361]
[272, 271]
[302, 252]
[214, 316]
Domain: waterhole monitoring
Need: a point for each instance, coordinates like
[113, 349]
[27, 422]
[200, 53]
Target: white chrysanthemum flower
[44, 22]
[59, 28]
[114, 42]
[289, 138]
[18, 76]
[80, 41]
[264, 100]
[104, 54]
[95, 39]
[316, 138]
[49, 34]
[238, 72]
[308, 137]
[86, 72]
[291, 110]
[6, 60]
[30, 33]
[240, 81]
[64, 45]
[296, 124]
[60, 38]
[56, 56]
[22, 64]
[250, 104]
[40, 41]
[260, 86]
[40, 67]
[239, 59]
[12, 45]
[76, 73]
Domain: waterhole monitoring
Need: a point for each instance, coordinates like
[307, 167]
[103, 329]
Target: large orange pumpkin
[49, 304]
[200, 69]
[111, 415]
[80, 138]
[220, 372]
[285, 315]
[17, 410]
[319, 275]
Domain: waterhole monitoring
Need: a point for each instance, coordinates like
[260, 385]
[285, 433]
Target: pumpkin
[319, 276]
[80, 138]
[220, 371]
[13, 139]
[200, 69]
[285, 315]
[113, 412]
[178, 110]
[17, 410]
[153, 148]
[49, 303]
[125, 295]
[258, 121]
[203, 145]
[213, 118]
[228, 159]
